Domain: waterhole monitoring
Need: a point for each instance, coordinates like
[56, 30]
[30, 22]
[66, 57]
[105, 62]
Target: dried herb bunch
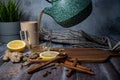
[10, 11]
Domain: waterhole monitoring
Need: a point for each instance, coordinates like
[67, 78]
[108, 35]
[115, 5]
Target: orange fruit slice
[48, 55]
[16, 45]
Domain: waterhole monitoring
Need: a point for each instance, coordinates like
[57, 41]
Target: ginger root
[13, 56]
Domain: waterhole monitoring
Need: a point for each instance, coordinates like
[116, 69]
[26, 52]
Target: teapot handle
[50, 1]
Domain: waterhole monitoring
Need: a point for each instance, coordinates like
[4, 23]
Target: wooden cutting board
[89, 54]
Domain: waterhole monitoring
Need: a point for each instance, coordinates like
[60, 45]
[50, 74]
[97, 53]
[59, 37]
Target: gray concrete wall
[103, 21]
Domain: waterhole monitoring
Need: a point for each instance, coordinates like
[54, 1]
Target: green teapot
[68, 13]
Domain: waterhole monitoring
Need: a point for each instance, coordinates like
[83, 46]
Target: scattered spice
[46, 73]
[34, 55]
[49, 72]
[53, 68]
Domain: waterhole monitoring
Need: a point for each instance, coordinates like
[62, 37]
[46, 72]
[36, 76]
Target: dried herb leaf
[24, 58]
[57, 64]
[34, 55]
[27, 63]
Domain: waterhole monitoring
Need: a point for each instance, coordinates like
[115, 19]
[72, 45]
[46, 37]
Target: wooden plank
[8, 70]
[98, 74]
[116, 63]
[2, 50]
[54, 75]
[13, 71]
[1, 61]
[103, 71]
[22, 75]
[110, 72]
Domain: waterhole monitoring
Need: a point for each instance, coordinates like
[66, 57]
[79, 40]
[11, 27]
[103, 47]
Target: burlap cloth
[79, 38]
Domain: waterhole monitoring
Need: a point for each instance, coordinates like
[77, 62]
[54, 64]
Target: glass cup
[30, 33]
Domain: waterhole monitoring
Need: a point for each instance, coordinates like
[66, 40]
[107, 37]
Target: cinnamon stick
[37, 67]
[76, 68]
[79, 66]
[69, 73]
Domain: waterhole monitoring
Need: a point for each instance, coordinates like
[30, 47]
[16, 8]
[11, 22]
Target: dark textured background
[103, 21]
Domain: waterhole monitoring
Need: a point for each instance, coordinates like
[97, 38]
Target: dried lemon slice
[16, 45]
[48, 55]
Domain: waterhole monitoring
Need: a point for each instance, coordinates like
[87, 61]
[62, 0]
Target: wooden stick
[69, 73]
[36, 68]
[76, 68]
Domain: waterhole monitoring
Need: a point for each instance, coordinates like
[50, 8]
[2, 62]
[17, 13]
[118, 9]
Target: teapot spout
[47, 11]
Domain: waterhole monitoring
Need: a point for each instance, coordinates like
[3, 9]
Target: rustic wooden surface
[108, 70]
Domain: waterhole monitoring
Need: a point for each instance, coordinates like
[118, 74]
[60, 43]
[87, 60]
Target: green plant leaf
[10, 12]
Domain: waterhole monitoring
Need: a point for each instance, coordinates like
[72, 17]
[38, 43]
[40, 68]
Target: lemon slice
[48, 55]
[16, 45]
